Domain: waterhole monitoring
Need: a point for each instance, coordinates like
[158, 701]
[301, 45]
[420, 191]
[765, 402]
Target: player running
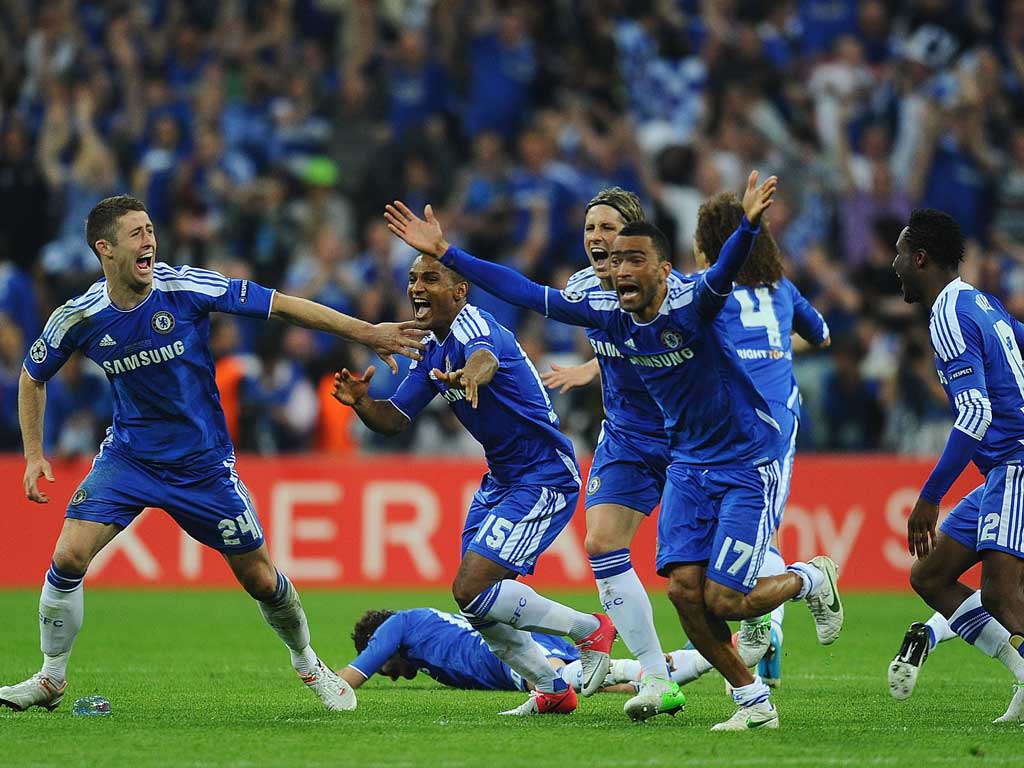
[146, 324]
[718, 508]
[977, 351]
[527, 497]
[761, 314]
[627, 475]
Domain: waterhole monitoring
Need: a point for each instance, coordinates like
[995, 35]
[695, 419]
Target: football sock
[810, 575]
[1009, 654]
[283, 612]
[518, 649]
[572, 674]
[688, 665]
[519, 606]
[627, 603]
[774, 565]
[632, 671]
[61, 611]
[976, 626]
[938, 630]
[754, 693]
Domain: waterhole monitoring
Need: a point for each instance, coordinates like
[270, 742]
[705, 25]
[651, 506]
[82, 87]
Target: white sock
[61, 612]
[572, 674]
[627, 603]
[754, 693]
[811, 577]
[517, 649]
[940, 630]
[976, 626]
[1010, 657]
[519, 606]
[777, 616]
[283, 612]
[632, 671]
[772, 564]
[688, 665]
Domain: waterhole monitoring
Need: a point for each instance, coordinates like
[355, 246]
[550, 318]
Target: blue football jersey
[978, 358]
[513, 421]
[761, 321]
[447, 648]
[627, 404]
[166, 404]
[712, 412]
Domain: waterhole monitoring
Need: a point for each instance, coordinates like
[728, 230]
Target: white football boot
[762, 715]
[824, 603]
[37, 691]
[754, 638]
[335, 693]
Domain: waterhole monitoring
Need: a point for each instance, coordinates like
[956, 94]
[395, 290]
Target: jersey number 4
[759, 313]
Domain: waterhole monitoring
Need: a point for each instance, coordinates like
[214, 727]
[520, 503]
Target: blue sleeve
[573, 308]
[213, 292]
[958, 343]
[52, 349]
[716, 283]
[1018, 330]
[415, 391]
[382, 646]
[807, 321]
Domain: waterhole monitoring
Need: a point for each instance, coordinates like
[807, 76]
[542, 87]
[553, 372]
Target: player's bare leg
[1001, 580]
[61, 611]
[711, 636]
[280, 605]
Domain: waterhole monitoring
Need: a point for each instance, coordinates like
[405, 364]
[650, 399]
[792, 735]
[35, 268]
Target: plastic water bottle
[91, 705]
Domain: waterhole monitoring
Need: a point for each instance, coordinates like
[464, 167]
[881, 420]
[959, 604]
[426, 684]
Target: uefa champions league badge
[671, 339]
[38, 351]
[163, 321]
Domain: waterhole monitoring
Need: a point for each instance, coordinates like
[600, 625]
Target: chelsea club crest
[163, 321]
[671, 339]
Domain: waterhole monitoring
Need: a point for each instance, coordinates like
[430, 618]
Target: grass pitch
[196, 679]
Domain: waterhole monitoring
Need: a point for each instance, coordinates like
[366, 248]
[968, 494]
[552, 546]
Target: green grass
[196, 679]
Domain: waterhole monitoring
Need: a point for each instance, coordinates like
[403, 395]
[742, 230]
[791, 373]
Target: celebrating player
[718, 508]
[147, 324]
[525, 500]
[627, 475]
[977, 350]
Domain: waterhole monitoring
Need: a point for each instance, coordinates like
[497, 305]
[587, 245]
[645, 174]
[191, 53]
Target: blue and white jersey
[977, 355]
[447, 648]
[166, 404]
[513, 421]
[712, 412]
[627, 404]
[761, 321]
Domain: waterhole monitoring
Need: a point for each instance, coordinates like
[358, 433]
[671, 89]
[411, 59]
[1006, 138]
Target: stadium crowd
[266, 137]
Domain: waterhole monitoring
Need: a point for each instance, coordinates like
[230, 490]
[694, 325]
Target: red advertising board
[395, 522]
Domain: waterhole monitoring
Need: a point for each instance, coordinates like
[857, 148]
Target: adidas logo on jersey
[107, 341]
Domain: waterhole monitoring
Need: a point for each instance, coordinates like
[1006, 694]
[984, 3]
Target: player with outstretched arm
[528, 495]
[147, 324]
[718, 508]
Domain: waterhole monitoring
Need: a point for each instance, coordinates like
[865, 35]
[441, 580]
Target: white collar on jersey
[953, 286]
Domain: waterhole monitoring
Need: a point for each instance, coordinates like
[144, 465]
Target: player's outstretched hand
[387, 339]
[460, 379]
[350, 387]
[921, 528]
[758, 199]
[568, 377]
[424, 234]
[34, 469]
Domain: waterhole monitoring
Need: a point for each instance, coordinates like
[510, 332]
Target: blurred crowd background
[266, 136]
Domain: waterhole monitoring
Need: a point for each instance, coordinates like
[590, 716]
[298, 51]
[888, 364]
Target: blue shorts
[513, 525]
[992, 515]
[722, 517]
[627, 470]
[210, 503]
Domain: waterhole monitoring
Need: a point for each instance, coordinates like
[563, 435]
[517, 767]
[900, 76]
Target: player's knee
[464, 591]
[260, 583]
[71, 559]
[924, 580]
[684, 592]
[1000, 599]
[601, 542]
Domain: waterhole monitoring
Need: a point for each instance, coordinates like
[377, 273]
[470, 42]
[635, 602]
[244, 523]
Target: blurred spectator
[12, 352]
[853, 404]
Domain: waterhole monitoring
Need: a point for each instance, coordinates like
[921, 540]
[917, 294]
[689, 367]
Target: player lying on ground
[528, 495]
[719, 504]
[761, 314]
[444, 646]
[977, 354]
[147, 324]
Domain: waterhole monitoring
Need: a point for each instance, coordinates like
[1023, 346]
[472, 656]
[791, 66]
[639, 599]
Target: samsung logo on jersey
[145, 357]
[454, 395]
[763, 354]
[666, 360]
[605, 348]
